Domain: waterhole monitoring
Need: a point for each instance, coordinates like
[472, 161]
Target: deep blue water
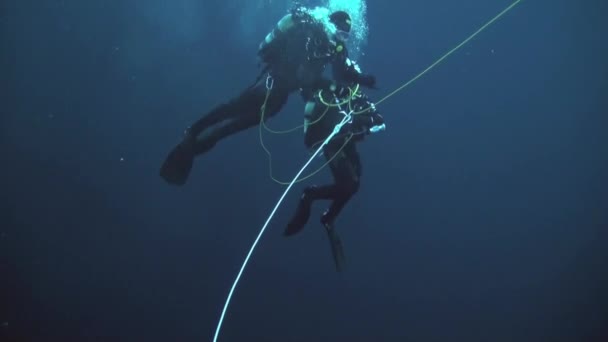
[482, 214]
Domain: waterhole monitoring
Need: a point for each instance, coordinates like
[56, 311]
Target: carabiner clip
[269, 82]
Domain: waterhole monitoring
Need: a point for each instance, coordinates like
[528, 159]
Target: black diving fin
[176, 167]
[337, 250]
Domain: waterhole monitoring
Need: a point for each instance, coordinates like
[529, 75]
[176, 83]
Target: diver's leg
[235, 116]
[313, 193]
[243, 114]
[217, 114]
[302, 214]
[346, 172]
[178, 164]
[346, 169]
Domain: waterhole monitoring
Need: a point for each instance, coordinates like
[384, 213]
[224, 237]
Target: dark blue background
[482, 213]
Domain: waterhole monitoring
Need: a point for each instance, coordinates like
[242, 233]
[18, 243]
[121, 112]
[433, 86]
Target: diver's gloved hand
[368, 123]
[368, 81]
[377, 119]
[377, 124]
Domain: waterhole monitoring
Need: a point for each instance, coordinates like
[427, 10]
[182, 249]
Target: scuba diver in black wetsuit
[295, 55]
[340, 153]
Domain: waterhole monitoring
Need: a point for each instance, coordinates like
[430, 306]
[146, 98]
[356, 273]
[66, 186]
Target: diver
[340, 153]
[295, 54]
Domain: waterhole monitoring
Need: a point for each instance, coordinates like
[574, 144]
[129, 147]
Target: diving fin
[299, 220]
[336, 247]
[176, 168]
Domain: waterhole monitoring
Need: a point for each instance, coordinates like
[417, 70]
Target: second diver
[324, 109]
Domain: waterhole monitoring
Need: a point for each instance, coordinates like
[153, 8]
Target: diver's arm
[347, 70]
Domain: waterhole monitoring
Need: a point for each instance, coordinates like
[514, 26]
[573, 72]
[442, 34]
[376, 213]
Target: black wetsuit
[296, 54]
[341, 152]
